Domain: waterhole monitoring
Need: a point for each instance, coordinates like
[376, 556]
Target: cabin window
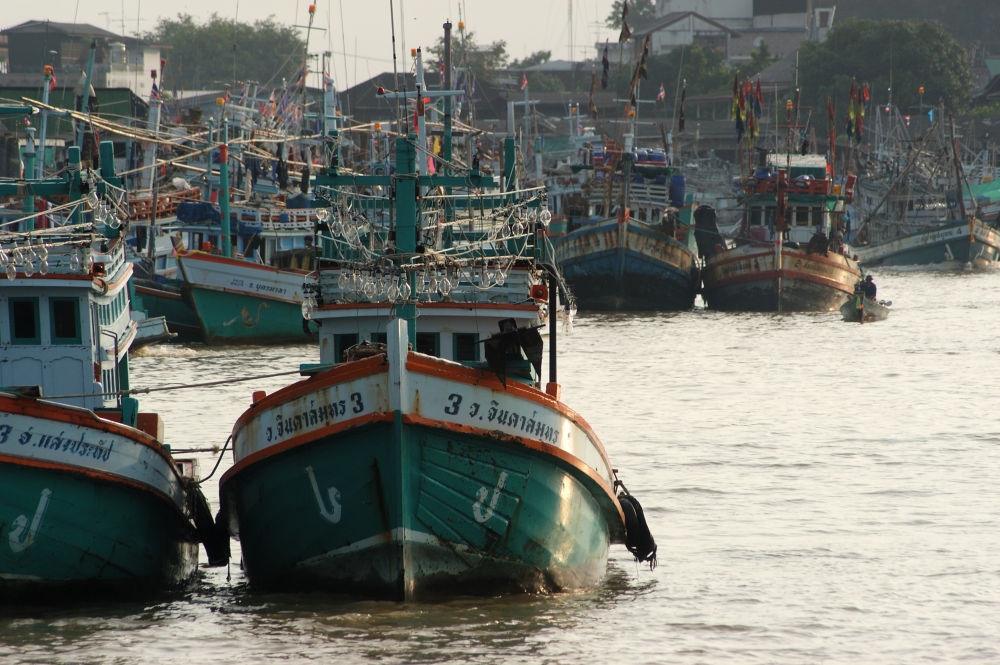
[24, 325]
[756, 215]
[379, 338]
[343, 342]
[65, 317]
[466, 347]
[802, 216]
[429, 343]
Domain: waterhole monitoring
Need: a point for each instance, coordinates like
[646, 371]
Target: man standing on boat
[870, 288]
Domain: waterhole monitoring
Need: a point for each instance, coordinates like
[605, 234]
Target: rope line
[143, 391]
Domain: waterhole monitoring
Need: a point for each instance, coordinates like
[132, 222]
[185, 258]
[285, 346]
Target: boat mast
[779, 212]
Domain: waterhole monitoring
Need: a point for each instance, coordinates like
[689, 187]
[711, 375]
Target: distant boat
[636, 251]
[963, 234]
[421, 457]
[91, 499]
[783, 259]
[861, 308]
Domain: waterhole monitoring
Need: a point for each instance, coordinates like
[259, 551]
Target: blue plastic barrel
[677, 185]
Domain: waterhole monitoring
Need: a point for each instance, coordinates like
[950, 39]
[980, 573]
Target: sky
[360, 42]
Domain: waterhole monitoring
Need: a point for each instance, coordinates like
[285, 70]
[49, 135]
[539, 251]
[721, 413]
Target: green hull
[79, 544]
[235, 318]
[170, 301]
[404, 511]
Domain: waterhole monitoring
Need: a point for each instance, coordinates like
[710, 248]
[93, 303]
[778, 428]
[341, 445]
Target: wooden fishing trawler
[422, 456]
[635, 251]
[91, 500]
[965, 233]
[783, 259]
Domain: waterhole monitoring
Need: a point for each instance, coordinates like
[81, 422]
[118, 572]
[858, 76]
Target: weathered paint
[746, 279]
[432, 477]
[87, 502]
[167, 300]
[948, 245]
[627, 265]
[244, 302]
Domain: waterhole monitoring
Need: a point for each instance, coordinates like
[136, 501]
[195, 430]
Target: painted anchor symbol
[332, 516]
[483, 493]
[16, 543]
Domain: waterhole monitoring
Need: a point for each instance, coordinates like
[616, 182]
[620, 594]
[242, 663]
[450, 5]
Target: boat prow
[417, 476]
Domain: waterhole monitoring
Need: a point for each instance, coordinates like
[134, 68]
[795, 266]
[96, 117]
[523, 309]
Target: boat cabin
[812, 204]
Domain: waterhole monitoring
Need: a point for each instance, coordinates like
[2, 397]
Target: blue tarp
[198, 211]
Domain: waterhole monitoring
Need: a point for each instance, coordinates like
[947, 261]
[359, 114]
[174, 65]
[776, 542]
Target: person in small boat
[869, 288]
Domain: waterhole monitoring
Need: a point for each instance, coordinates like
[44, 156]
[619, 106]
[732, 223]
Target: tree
[910, 54]
[483, 61]
[640, 14]
[223, 51]
[703, 68]
[536, 58]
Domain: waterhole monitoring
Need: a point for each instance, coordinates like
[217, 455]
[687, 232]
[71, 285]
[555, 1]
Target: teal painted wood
[234, 318]
[421, 512]
[88, 532]
[169, 300]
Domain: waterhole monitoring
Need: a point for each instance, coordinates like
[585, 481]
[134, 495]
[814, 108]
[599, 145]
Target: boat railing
[141, 208]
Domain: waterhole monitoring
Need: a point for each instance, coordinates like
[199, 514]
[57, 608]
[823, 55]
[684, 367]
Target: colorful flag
[155, 92]
[662, 94]
[680, 116]
[605, 66]
[524, 81]
[641, 71]
[734, 107]
[626, 32]
[592, 108]
[51, 73]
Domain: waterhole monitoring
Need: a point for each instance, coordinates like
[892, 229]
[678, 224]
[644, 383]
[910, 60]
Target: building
[119, 61]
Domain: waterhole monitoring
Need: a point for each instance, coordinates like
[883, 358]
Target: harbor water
[820, 492]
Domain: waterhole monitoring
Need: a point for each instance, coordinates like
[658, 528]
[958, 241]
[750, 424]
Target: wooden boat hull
[627, 266]
[863, 310]
[406, 476]
[88, 505]
[167, 299]
[241, 302]
[747, 279]
[947, 245]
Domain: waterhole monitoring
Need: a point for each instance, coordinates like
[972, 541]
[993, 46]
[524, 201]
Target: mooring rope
[138, 391]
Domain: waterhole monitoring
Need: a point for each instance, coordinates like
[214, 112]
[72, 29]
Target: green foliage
[640, 14]
[484, 61]
[704, 69]
[761, 59]
[968, 21]
[222, 51]
[536, 58]
[985, 111]
[914, 53]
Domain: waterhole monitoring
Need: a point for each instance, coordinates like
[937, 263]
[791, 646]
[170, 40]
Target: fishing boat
[422, 456]
[91, 500]
[787, 254]
[253, 296]
[635, 249]
[861, 309]
[955, 231]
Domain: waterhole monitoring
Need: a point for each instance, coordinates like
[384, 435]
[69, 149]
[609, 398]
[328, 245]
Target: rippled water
[821, 492]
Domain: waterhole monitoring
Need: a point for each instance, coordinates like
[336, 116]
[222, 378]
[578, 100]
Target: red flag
[524, 81]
